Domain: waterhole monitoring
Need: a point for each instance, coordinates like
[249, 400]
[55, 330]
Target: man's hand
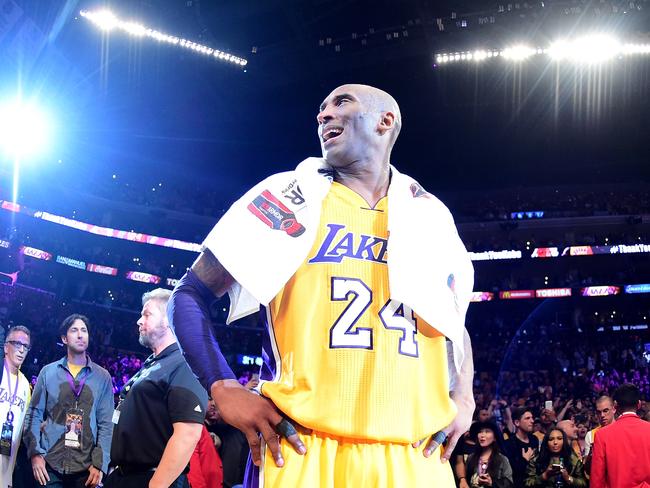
[40, 470]
[465, 405]
[94, 478]
[253, 415]
[527, 454]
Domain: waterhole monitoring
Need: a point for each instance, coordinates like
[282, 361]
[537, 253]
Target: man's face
[347, 126]
[569, 428]
[152, 324]
[212, 414]
[547, 417]
[16, 347]
[605, 411]
[525, 424]
[77, 337]
[483, 415]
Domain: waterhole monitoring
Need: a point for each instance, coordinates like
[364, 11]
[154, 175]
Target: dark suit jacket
[621, 454]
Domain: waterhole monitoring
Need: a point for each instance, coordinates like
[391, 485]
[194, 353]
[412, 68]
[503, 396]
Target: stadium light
[24, 129]
[24, 133]
[518, 52]
[589, 49]
[107, 21]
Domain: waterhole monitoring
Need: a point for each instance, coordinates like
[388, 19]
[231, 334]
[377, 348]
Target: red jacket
[206, 470]
[621, 454]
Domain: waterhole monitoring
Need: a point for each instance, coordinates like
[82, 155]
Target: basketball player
[355, 379]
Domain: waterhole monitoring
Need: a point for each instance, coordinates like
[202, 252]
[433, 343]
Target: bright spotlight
[596, 48]
[588, 49]
[480, 55]
[107, 21]
[104, 19]
[24, 129]
[518, 52]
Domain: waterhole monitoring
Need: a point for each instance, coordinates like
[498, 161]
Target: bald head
[377, 101]
[357, 126]
[605, 410]
[569, 428]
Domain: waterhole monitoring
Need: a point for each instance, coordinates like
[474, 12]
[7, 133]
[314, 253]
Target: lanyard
[10, 415]
[76, 388]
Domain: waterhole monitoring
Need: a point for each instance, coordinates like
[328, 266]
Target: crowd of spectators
[511, 359]
[146, 201]
[517, 365]
[563, 201]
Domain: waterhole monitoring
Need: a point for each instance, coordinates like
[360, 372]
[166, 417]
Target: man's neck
[77, 358]
[164, 343]
[628, 412]
[13, 369]
[368, 179]
[521, 435]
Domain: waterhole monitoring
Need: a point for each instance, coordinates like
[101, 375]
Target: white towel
[428, 267]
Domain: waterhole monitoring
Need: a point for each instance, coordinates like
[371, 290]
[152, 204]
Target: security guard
[160, 413]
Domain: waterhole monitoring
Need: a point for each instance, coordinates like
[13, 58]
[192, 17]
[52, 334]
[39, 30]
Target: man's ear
[386, 122]
[64, 339]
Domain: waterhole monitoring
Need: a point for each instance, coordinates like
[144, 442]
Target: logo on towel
[275, 214]
[418, 191]
[339, 244]
[293, 193]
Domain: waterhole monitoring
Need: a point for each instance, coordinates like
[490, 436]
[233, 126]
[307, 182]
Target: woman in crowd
[487, 466]
[556, 464]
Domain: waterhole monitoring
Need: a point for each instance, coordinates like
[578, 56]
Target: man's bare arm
[463, 397]
[212, 274]
[177, 454]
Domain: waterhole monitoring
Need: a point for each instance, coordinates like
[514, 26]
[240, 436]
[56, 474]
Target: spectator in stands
[556, 465]
[571, 432]
[13, 404]
[160, 415]
[621, 453]
[606, 411]
[582, 433]
[485, 414]
[523, 445]
[486, 466]
[547, 419]
[73, 398]
[206, 470]
[466, 446]
[233, 447]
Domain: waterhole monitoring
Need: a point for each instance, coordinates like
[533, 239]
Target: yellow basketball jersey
[350, 361]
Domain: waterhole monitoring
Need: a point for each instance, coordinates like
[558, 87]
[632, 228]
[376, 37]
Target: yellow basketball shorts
[334, 462]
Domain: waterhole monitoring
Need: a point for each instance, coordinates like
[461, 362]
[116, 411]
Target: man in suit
[621, 457]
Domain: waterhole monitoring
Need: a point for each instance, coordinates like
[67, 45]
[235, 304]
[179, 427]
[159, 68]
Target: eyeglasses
[19, 345]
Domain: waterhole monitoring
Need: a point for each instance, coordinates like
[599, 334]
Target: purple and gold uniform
[363, 372]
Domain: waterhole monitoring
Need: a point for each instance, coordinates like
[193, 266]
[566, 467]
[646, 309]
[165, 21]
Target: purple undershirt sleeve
[188, 311]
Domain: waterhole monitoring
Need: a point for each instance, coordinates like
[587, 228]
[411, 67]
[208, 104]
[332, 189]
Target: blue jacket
[51, 399]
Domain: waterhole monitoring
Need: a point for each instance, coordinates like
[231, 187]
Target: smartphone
[548, 405]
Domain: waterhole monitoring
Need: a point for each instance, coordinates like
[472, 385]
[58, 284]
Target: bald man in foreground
[360, 386]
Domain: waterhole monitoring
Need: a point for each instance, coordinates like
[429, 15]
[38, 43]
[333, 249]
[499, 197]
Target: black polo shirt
[163, 392]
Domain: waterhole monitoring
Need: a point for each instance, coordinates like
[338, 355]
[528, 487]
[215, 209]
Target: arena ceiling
[138, 107]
